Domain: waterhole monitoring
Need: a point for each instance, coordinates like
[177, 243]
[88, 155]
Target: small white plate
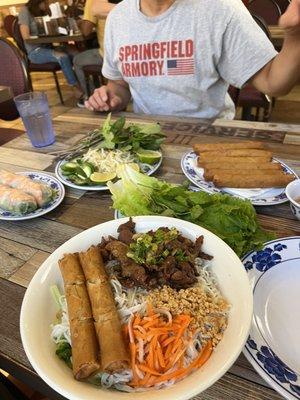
[273, 345]
[149, 170]
[258, 197]
[59, 194]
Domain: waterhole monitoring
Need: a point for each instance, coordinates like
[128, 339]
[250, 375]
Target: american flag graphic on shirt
[181, 67]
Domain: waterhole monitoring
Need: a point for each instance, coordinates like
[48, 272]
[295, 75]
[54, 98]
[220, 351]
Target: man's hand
[114, 96]
[103, 99]
[290, 20]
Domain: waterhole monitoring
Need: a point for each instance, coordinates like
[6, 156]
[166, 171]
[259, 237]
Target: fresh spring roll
[114, 354]
[214, 155]
[210, 173]
[232, 160]
[85, 348]
[40, 191]
[252, 181]
[16, 201]
[248, 144]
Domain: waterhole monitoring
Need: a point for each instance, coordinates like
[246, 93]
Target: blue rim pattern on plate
[279, 375]
[187, 165]
[59, 194]
[149, 170]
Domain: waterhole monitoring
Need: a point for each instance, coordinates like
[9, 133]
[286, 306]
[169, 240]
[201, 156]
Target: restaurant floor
[287, 108]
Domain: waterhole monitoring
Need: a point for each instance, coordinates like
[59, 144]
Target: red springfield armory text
[150, 59]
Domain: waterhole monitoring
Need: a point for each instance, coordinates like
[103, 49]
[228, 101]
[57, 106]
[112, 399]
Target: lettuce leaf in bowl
[232, 219]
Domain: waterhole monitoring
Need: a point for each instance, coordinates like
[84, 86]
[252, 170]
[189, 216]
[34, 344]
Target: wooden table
[5, 93]
[25, 245]
[56, 39]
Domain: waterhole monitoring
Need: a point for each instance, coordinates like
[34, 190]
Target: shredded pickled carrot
[164, 346]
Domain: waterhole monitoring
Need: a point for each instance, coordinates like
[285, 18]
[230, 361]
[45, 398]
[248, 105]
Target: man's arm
[25, 32]
[101, 8]
[279, 76]
[115, 96]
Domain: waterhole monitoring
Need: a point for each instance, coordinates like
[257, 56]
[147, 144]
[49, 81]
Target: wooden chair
[283, 5]
[249, 97]
[94, 72]
[268, 10]
[8, 24]
[51, 67]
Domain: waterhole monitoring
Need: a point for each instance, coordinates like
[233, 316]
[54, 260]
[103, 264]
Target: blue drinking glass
[34, 110]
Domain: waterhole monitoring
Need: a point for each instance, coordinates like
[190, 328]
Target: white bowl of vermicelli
[155, 307]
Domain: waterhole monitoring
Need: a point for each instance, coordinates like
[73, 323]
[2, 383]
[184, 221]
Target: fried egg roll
[211, 155]
[85, 347]
[40, 191]
[233, 160]
[16, 201]
[210, 173]
[252, 181]
[241, 165]
[249, 144]
[114, 354]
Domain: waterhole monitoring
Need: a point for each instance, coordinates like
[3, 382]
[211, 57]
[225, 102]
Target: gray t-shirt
[182, 61]
[25, 18]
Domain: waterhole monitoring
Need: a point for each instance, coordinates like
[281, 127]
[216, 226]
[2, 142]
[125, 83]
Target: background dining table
[76, 37]
[25, 245]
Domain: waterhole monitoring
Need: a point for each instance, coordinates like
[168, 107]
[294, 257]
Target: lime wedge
[102, 177]
[134, 166]
[148, 156]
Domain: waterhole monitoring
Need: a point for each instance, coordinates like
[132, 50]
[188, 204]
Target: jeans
[43, 55]
[88, 57]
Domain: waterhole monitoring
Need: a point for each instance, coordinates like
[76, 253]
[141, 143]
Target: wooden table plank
[55, 39]
[24, 275]
[13, 255]
[39, 233]
[26, 159]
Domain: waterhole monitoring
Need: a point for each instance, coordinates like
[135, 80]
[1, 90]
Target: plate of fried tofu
[244, 169]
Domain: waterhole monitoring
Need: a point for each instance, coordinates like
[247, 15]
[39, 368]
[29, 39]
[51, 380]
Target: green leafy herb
[233, 220]
[147, 248]
[64, 352]
[118, 135]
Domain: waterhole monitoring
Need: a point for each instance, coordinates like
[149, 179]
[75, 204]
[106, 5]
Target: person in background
[178, 57]
[42, 53]
[89, 22]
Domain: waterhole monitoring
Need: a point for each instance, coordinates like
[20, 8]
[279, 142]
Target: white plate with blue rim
[58, 196]
[145, 168]
[258, 197]
[273, 344]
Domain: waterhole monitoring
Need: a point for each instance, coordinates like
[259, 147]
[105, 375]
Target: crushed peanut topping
[208, 312]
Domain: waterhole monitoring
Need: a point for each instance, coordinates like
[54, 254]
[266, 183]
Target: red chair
[17, 79]
[268, 10]
[50, 67]
[8, 24]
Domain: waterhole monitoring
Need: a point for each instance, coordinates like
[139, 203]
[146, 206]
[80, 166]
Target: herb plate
[58, 196]
[258, 197]
[273, 345]
[146, 168]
